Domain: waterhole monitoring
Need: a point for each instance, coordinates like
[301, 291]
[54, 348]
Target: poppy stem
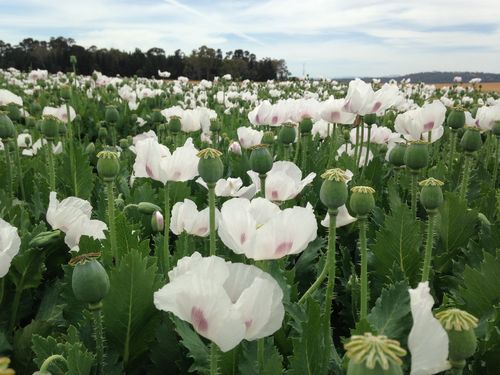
[495, 164]
[52, 170]
[111, 220]
[453, 137]
[361, 140]
[44, 369]
[211, 205]
[164, 257]
[413, 187]
[260, 354]
[8, 166]
[364, 268]
[465, 177]
[428, 247]
[214, 360]
[20, 173]
[331, 266]
[262, 178]
[99, 338]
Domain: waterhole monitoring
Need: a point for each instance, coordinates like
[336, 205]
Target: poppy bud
[111, 115]
[431, 195]
[65, 92]
[370, 119]
[261, 160]
[362, 201]
[306, 125]
[119, 202]
[268, 138]
[460, 326]
[72, 60]
[50, 127]
[496, 128]
[108, 165]
[157, 222]
[156, 116]
[90, 282]
[7, 129]
[90, 148]
[471, 140]
[45, 238]
[333, 192]
[416, 155]
[235, 148]
[147, 208]
[35, 107]
[374, 355]
[397, 155]
[215, 126]
[174, 124]
[210, 166]
[456, 119]
[287, 134]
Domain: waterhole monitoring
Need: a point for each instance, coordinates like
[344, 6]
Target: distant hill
[440, 77]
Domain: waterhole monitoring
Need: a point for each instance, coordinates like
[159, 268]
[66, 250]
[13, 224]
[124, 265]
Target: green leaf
[44, 347]
[480, 289]
[130, 316]
[391, 315]
[248, 363]
[27, 269]
[197, 350]
[81, 182]
[312, 350]
[398, 242]
[23, 355]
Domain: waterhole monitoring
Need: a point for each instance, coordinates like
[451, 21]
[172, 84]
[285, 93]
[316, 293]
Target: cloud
[332, 37]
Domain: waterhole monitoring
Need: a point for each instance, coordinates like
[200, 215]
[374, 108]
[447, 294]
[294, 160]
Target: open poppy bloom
[187, 218]
[72, 216]
[260, 230]
[9, 246]
[223, 301]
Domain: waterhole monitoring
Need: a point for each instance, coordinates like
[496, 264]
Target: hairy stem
[331, 264]
[49, 360]
[364, 268]
[414, 177]
[428, 247]
[111, 220]
[465, 177]
[52, 170]
[99, 338]
[214, 360]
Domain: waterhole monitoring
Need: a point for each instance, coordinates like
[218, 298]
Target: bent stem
[44, 369]
[364, 268]
[111, 220]
[465, 177]
[331, 266]
[99, 338]
[214, 360]
[211, 205]
[164, 257]
[428, 247]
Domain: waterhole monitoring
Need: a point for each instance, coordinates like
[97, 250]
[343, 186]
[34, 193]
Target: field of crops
[234, 227]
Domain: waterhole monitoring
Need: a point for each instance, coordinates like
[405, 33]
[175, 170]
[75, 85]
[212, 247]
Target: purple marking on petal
[149, 171]
[200, 323]
[274, 194]
[283, 248]
[243, 238]
[248, 323]
[428, 126]
[376, 106]
[334, 116]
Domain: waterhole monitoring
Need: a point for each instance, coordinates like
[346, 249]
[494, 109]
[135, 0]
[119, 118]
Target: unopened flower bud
[50, 127]
[45, 238]
[175, 124]
[210, 166]
[157, 222]
[147, 208]
[156, 116]
[7, 129]
[235, 148]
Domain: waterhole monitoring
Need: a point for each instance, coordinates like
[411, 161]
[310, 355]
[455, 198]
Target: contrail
[196, 12]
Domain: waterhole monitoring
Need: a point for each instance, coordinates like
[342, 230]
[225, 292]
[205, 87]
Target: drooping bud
[374, 355]
[147, 208]
[333, 193]
[431, 195]
[45, 238]
[416, 155]
[261, 160]
[235, 148]
[108, 165]
[90, 282]
[362, 201]
[210, 166]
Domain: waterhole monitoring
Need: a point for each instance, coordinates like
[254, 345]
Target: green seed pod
[456, 119]
[90, 282]
[460, 326]
[35, 107]
[306, 125]
[111, 115]
[416, 155]
[471, 140]
[50, 127]
[7, 129]
[133, 118]
[108, 165]
[215, 126]
[102, 133]
[362, 201]
[156, 116]
[370, 119]
[397, 155]
[157, 222]
[123, 143]
[175, 124]
[287, 134]
[374, 355]
[333, 192]
[30, 122]
[268, 138]
[14, 112]
[210, 166]
[147, 208]
[62, 128]
[261, 160]
[431, 195]
[65, 92]
[496, 128]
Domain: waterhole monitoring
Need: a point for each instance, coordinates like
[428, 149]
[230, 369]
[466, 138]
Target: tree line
[202, 63]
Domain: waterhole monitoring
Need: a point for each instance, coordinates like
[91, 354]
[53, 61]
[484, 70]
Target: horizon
[325, 39]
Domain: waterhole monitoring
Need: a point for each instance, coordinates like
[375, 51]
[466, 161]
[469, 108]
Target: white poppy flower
[428, 341]
[24, 140]
[332, 111]
[260, 230]
[60, 112]
[231, 187]
[283, 182]
[349, 150]
[72, 216]
[249, 137]
[9, 246]
[7, 97]
[261, 115]
[187, 218]
[225, 302]
[362, 100]
[343, 218]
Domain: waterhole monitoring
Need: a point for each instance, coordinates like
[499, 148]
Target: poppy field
[153, 226]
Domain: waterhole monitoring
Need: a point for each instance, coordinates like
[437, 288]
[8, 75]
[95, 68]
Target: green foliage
[197, 350]
[82, 177]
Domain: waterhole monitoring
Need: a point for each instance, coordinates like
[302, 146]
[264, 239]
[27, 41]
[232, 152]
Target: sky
[323, 38]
